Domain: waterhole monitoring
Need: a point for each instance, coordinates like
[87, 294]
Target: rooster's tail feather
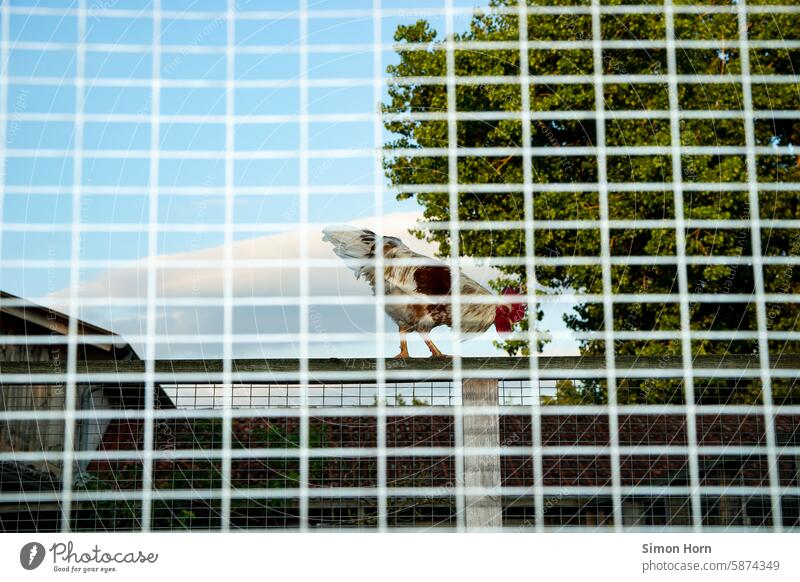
[350, 242]
[352, 245]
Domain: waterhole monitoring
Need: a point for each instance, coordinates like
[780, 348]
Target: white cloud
[191, 279]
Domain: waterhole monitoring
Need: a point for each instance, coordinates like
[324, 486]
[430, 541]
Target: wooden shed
[21, 320]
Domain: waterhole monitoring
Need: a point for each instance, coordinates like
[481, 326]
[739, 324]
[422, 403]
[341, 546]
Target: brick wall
[437, 431]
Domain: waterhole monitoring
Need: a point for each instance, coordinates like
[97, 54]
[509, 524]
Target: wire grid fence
[433, 393]
[685, 453]
[420, 470]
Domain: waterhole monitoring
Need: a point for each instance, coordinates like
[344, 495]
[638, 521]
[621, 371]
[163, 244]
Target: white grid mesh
[298, 483]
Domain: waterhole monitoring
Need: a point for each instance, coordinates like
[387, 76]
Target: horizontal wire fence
[420, 474]
[636, 160]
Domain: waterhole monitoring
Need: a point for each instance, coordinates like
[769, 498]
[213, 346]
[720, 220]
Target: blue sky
[42, 86]
[116, 134]
[41, 90]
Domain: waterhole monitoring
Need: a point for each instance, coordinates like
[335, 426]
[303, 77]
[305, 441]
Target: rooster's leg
[403, 345]
[435, 352]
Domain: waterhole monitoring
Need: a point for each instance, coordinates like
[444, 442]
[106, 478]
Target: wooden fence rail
[332, 369]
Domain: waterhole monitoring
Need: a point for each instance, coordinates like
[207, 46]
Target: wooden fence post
[482, 511]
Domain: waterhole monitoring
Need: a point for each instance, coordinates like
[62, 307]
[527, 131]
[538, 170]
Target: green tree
[484, 180]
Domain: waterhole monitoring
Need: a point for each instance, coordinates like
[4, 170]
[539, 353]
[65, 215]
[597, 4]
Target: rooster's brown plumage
[418, 279]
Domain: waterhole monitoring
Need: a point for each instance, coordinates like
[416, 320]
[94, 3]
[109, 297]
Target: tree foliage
[483, 191]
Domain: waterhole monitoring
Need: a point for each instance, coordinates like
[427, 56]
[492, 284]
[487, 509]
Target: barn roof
[40, 320]
[36, 319]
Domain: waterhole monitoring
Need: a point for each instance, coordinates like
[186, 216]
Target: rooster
[422, 278]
